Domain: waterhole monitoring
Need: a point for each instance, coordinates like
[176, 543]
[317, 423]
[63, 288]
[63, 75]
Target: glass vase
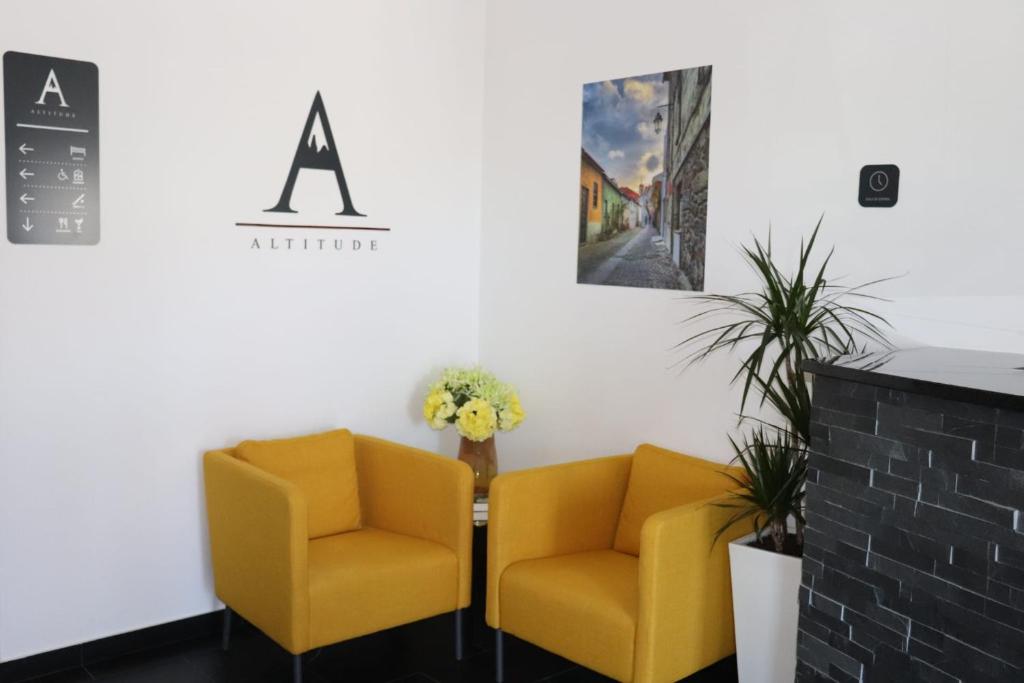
[483, 458]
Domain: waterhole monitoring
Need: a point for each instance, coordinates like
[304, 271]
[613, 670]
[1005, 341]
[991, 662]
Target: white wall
[121, 363]
[804, 94]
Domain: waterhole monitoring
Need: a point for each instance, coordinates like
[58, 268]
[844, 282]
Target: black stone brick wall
[913, 567]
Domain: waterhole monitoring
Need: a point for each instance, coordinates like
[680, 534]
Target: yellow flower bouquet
[475, 402]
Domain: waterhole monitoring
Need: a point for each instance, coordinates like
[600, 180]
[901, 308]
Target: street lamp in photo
[658, 118]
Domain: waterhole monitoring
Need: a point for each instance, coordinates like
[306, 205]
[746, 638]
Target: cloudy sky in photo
[618, 128]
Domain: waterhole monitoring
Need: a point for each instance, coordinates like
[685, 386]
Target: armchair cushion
[661, 479]
[368, 580]
[582, 606]
[322, 467]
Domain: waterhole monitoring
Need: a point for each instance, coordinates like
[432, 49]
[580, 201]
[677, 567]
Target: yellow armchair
[611, 563]
[390, 543]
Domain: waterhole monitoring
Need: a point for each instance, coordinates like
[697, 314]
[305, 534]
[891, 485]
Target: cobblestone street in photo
[634, 258]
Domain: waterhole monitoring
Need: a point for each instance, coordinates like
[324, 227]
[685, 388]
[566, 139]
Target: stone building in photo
[686, 163]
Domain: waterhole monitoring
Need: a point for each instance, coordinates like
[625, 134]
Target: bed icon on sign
[77, 153]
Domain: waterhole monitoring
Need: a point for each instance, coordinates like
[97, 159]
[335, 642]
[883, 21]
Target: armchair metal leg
[499, 656]
[226, 633]
[297, 668]
[458, 635]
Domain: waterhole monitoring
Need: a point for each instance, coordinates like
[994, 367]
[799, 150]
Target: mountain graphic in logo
[317, 140]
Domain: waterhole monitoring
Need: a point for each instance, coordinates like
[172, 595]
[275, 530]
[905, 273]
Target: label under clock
[51, 127]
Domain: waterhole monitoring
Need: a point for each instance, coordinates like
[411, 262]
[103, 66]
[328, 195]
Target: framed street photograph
[644, 180]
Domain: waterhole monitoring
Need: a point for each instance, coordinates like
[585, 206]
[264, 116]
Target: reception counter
[913, 567]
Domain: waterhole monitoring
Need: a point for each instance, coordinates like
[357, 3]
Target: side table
[479, 635]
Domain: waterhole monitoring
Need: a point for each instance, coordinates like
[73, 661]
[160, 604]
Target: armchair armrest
[259, 545]
[417, 493]
[550, 511]
[685, 608]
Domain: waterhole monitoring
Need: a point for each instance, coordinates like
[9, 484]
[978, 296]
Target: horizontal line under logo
[315, 227]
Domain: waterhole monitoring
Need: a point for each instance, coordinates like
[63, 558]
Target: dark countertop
[983, 377]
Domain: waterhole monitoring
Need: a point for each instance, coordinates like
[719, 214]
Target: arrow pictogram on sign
[27, 225]
[24, 149]
[25, 174]
[25, 199]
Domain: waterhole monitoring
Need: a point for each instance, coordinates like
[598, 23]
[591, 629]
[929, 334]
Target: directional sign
[51, 127]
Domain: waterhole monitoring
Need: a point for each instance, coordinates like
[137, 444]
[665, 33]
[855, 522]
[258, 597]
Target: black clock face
[879, 185]
[878, 181]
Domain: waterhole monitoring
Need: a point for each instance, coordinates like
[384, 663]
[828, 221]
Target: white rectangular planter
[765, 605]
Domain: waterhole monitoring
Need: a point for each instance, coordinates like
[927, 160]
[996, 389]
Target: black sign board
[51, 126]
[879, 185]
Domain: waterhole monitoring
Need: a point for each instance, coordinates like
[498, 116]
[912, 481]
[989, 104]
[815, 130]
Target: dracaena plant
[789, 319]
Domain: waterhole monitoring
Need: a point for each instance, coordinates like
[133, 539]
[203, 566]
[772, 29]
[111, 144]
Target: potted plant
[788, 320]
[478, 405]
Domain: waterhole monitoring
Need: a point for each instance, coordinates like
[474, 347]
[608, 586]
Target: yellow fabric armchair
[610, 563]
[408, 558]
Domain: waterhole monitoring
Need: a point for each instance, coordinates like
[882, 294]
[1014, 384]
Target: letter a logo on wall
[317, 151]
[52, 87]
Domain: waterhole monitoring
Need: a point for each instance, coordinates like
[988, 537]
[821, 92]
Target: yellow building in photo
[591, 201]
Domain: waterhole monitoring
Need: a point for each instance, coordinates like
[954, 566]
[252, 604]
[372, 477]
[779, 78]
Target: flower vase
[483, 458]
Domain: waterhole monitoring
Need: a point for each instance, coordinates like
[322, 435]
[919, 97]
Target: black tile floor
[416, 653]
